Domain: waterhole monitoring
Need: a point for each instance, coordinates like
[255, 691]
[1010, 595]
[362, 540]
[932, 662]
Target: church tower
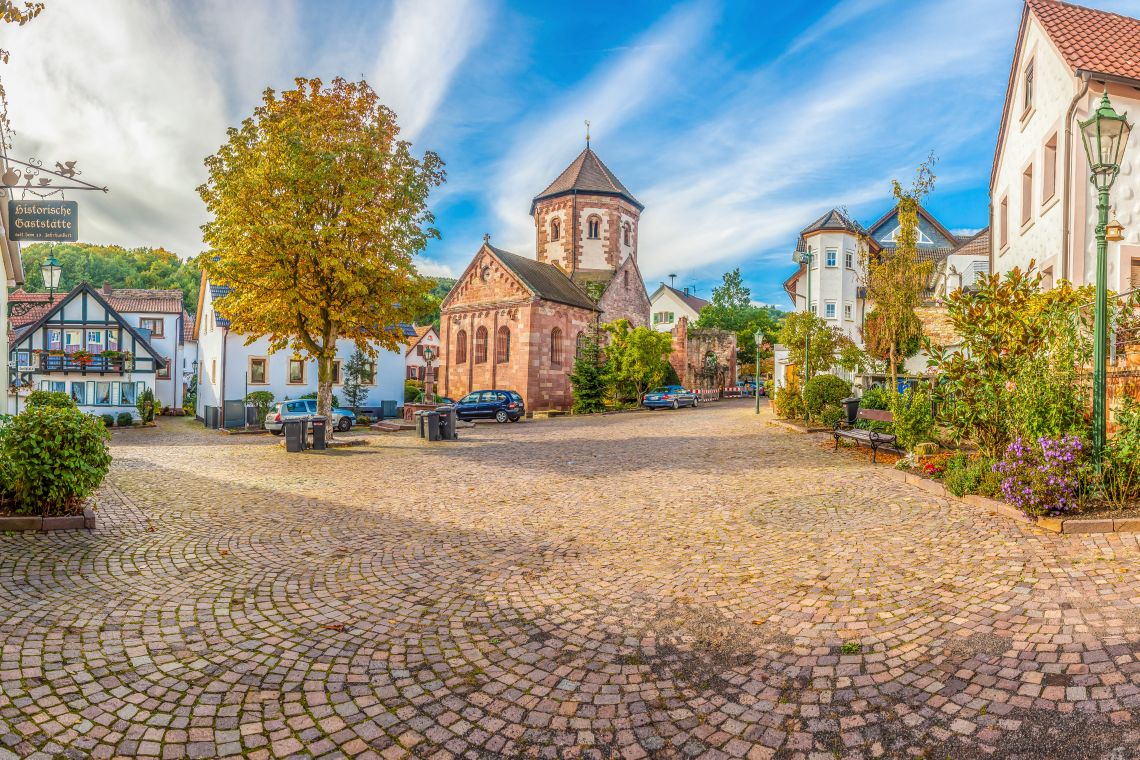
[586, 220]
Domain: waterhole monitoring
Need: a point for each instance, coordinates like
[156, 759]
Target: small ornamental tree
[824, 343]
[357, 370]
[145, 404]
[317, 213]
[731, 308]
[895, 280]
[261, 401]
[636, 359]
[588, 378]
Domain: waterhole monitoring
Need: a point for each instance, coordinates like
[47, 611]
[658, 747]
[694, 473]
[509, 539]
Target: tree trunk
[324, 390]
[894, 369]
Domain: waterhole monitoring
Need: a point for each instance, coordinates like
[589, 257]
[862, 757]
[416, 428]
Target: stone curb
[1000, 508]
[85, 521]
[797, 429]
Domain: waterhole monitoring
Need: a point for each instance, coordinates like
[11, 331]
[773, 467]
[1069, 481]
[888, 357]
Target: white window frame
[832, 257]
[829, 310]
[848, 312]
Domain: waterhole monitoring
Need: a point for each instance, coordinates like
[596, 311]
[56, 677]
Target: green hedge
[824, 390]
[56, 399]
[52, 459]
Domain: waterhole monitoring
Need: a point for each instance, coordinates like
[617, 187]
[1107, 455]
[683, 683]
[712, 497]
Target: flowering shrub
[934, 466]
[1042, 478]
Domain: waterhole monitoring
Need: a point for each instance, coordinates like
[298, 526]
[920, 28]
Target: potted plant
[83, 357]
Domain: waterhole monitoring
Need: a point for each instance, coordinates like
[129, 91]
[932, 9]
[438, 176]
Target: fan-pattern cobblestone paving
[692, 584]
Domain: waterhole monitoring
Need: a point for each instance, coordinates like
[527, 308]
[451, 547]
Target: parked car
[673, 396]
[762, 390]
[500, 406]
[342, 419]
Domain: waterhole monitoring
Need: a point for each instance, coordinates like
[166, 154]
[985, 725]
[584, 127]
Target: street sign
[51, 221]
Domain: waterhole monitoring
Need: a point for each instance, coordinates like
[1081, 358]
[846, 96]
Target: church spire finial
[486, 238]
[587, 123]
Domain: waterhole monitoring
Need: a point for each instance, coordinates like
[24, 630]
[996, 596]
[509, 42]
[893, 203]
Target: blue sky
[735, 123]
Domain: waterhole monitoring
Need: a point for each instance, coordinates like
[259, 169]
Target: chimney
[106, 288]
[686, 291]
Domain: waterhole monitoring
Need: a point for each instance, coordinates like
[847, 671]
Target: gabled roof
[693, 302]
[85, 287]
[216, 292]
[833, 221]
[586, 174]
[923, 214]
[975, 245]
[417, 334]
[544, 280]
[1091, 40]
[1088, 40]
[122, 300]
[187, 327]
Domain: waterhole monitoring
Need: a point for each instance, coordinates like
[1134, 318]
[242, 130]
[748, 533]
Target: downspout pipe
[1066, 199]
[222, 387]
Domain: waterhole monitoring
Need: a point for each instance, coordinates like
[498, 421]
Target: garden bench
[875, 440]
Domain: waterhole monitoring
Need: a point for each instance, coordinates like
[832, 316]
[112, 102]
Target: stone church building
[515, 323]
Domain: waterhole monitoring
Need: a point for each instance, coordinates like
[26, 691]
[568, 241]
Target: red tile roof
[1091, 40]
[122, 300]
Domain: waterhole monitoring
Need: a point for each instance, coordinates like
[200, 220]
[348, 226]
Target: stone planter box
[411, 409]
[1000, 508]
[85, 521]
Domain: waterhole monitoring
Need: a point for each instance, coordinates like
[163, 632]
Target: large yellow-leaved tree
[318, 211]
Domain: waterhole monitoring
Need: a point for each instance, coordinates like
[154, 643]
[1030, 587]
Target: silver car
[342, 419]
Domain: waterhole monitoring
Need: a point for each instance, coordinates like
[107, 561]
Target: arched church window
[481, 345]
[555, 229]
[626, 235]
[461, 347]
[556, 347]
[594, 227]
[579, 345]
[503, 345]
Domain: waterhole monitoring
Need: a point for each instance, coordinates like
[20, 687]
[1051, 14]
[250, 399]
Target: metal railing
[68, 363]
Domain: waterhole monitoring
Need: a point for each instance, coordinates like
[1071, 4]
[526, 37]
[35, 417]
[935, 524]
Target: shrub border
[85, 521]
[1000, 508]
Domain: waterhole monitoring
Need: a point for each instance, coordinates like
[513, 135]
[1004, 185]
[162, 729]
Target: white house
[1042, 204]
[229, 369]
[834, 245]
[668, 305]
[11, 276]
[414, 362]
[81, 345]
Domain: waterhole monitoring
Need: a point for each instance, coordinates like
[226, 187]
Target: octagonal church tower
[586, 220]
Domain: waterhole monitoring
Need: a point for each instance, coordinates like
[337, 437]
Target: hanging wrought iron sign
[37, 219]
[48, 221]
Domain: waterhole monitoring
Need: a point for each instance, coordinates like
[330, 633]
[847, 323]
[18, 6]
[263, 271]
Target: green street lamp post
[759, 336]
[805, 257]
[1105, 135]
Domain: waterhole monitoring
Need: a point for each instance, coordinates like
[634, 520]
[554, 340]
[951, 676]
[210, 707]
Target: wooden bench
[869, 437]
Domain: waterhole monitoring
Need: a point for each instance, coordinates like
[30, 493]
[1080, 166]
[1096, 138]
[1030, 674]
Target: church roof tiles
[586, 174]
[545, 280]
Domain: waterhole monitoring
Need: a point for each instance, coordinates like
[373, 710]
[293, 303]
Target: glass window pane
[79, 393]
[103, 394]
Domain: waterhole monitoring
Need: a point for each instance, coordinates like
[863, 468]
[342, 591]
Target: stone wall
[625, 297]
[691, 348]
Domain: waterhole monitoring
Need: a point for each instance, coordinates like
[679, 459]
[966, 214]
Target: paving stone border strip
[1054, 524]
[85, 521]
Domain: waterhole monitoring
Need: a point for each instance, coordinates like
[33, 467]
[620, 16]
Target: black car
[500, 406]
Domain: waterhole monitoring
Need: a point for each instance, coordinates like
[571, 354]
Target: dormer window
[555, 229]
[594, 228]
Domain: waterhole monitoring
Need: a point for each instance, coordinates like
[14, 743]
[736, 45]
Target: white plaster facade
[668, 305]
[1043, 205]
[594, 247]
[414, 361]
[229, 368]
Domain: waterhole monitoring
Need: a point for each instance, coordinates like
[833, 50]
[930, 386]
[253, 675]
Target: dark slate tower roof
[586, 174]
[834, 220]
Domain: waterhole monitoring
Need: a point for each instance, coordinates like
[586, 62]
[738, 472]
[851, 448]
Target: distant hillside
[443, 286]
[121, 267]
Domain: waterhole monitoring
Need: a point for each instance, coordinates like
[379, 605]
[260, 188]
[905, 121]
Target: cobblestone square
[692, 584]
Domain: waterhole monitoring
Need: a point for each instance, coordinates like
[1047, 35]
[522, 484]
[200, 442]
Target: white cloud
[545, 144]
[141, 92]
[431, 268]
[423, 47]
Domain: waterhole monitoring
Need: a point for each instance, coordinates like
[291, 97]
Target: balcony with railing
[85, 363]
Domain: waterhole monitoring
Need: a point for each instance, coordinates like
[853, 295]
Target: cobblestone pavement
[670, 584]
